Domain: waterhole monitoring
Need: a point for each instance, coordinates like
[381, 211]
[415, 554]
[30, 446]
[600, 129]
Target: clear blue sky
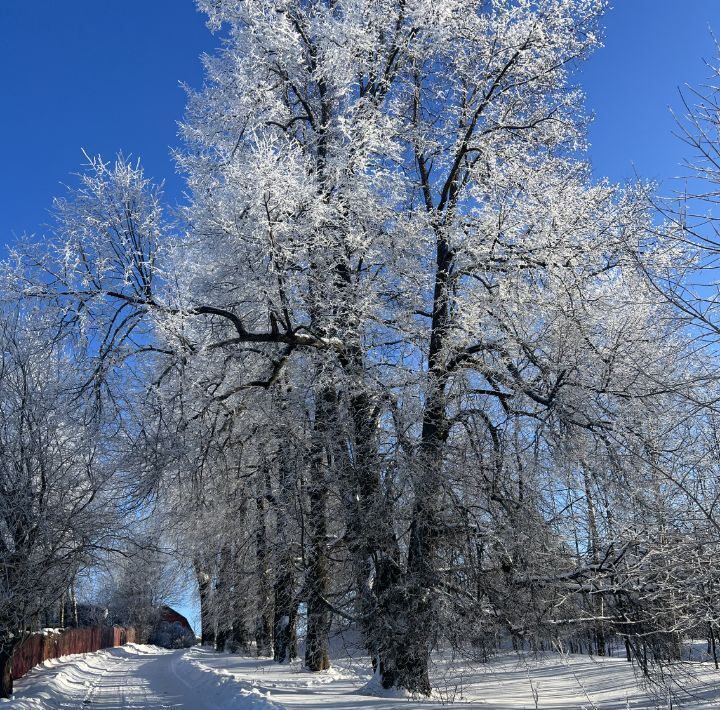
[652, 48]
[104, 75]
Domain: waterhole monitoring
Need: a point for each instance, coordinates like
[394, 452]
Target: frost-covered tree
[138, 582]
[396, 182]
[689, 524]
[59, 504]
[395, 356]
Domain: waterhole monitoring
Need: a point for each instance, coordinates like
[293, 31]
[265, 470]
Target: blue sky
[652, 48]
[104, 76]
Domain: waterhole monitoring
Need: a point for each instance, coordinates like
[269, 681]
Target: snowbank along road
[138, 676]
[133, 676]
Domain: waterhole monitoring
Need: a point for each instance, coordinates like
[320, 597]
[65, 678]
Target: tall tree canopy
[398, 361]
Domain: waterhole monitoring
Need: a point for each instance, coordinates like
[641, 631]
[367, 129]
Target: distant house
[172, 630]
[171, 616]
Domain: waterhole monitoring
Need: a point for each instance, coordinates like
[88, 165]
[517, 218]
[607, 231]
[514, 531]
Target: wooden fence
[39, 647]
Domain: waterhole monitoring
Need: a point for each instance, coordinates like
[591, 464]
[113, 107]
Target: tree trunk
[224, 598]
[317, 655]
[409, 611]
[292, 652]
[6, 679]
[406, 660]
[713, 645]
[68, 615]
[596, 602]
[62, 611]
[284, 617]
[369, 521]
[407, 665]
[263, 624]
[239, 634]
[74, 609]
[239, 639]
[284, 587]
[7, 648]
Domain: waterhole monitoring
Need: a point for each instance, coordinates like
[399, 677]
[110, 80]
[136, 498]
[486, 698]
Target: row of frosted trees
[398, 364]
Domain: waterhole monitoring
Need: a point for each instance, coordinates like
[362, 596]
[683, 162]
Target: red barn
[172, 630]
[171, 616]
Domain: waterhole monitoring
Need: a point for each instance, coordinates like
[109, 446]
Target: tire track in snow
[173, 669]
[87, 700]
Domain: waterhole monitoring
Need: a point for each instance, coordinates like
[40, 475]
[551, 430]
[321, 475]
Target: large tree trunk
[7, 648]
[370, 533]
[6, 679]
[411, 607]
[406, 659]
[284, 645]
[398, 611]
[239, 639]
[224, 598]
[317, 654]
[263, 624]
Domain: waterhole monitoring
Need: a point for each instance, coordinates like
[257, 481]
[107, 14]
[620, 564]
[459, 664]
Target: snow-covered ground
[137, 676]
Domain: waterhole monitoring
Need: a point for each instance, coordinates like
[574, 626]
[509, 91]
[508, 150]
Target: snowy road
[133, 676]
[137, 676]
[126, 679]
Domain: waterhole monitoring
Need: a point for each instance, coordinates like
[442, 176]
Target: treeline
[398, 363]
